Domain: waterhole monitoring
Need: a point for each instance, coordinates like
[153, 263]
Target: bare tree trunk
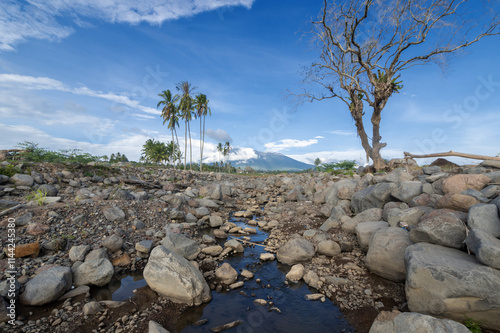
[378, 161]
[452, 153]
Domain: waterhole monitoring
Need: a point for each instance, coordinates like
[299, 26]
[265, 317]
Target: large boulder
[457, 201]
[343, 189]
[295, 251]
[78, 252]
[485, 217]
[113, 214]
[458, 183]
[20, 179]
[485, 246]
[113, 243]
[385, 255]
[445, 229]
[328, 248]
[47, 286]
[406, 191]
[396, 322]
[174, 277]
[449, 283]
[226, 274]
[398, 175]
[97, 272]
[372, 214]
[365, 230]
[410, 216]
[375, 196]
[181, 245]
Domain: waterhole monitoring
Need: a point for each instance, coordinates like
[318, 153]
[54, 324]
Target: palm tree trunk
[190, 149]
[185, 145]
[201, 148]
[178, 146]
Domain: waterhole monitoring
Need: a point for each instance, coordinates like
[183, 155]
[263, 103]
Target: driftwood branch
[452, 153]
[252, 243]
[7, 211]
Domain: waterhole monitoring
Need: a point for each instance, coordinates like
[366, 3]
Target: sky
[86, 74]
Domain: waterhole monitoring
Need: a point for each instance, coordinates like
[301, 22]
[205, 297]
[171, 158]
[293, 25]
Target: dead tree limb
[452, 153]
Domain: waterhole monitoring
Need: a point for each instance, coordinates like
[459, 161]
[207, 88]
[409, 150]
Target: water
[297, 313]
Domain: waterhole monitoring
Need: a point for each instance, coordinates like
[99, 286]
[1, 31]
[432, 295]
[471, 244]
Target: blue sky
[86, 74]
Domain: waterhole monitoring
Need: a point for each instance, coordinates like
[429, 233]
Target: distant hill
[272, 162]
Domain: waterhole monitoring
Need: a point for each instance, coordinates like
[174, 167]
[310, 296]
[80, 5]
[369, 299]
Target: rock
[375, 196]
[456, 201]
[235, 245]
[138, 225]
[24, 250]
[260, 301]
[430, 170]
[485, 217]
[266, 257]
[49, 190]
[122, 261]
[214, 250]
[172, 276]
[97, 254]
[295, 251]
[390, 206]
[312, 279]
[485, 247]
[215, 221]
[47, 286]
[410, 216]
[144, 246]
[21, 180]
[458, 183]
[37, 229]
[365, 230]
[334, 220]
[154, 327]
[396, 322]
[123, 195]
[490, 191]
[212, 191]
[385, 255]
[328, 248]
[7, 286]
[236, 285]
[315, 297]
[113, 243]
[436, 177]
[78, 252]
[450, 283]
[247, 274]
[24, 219]
[4, 312]
[406, 191]
[190, 218]
[369, 215]
[181, 245]
[82, 290]
[176, 214]
[296, 273]
[476, 194]
[444, 229]
[201, 212]
[91, 308]
[491, 163]
[113, 214]
[345, 188]
[96, 272]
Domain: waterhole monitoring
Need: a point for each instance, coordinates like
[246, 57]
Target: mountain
[271, 162]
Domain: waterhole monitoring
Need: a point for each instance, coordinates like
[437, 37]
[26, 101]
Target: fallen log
[452, 153]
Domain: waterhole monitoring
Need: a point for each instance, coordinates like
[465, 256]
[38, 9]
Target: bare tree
[367, 44]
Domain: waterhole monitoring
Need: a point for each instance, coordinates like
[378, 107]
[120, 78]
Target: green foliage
[382, 78]
[33, 153]
[344, 166]
[38, 196]
[472, 325]
[157, 152]
[9, 170]
[118, 157]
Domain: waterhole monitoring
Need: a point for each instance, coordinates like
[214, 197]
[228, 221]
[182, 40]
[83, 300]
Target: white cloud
[218, 135]
[342, 132]
[44, 83]
[242, 154]
[38, 18]
[319, 137]
[357, 155]
[289, 143]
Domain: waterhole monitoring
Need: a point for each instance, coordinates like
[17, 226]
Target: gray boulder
[365, 230]
[201, 212]
[101, 253]
[97, 272]
[172, 276]
[113, 214]
[430, 170]
[344, 188]
[226, 274]
[215, 221]
[410, 216]
[445, 229]
[369, 215]
[485, 246]
[24, 219]
[181, 245]
[49, 190]
[47, 286]
[406, 191]
[20, 179]
[4, 312]
[375, 196]
[449, 283]
[328, 248]
[78, 252]
[485, 217]
[113, 243]
[295, 251]
[154, 327]
[398, 175]
[386, 250]
[395, 322]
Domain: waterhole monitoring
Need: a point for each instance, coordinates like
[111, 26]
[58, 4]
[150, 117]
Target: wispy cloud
[319, 137]
[38, 18]
[342, 132]
[357, 155]
[218, 135]
[45, 83]
[289, 143]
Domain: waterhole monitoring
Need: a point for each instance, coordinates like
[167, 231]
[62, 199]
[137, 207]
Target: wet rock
[181, 245]
[485, 247]
[295, 251]
[312, 279]
[235, 245]
[296, 273]
[397, 322]
[247, 274]
[385, 255]
[47, 286]
[226, 274]
[21, 180]
[328, 248]
[215, 221]
[214, 250]
[485, 217]
[82, 290]
[91, 308]
[365, 230]
[459, 183]
[260, 301]
[315, 297]
[220, 234]
[449, 283]
[113, 243]
[96, 272]
[172, 276]
[154, 327]
[444, 229]
[236, 285]
[266, 257]
[114, 213]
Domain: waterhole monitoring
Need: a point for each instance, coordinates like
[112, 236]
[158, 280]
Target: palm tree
[317, 162]
[220, 149]
[170, 112]
[154, 152]
[202, 109]
[227, 151]
[185, 107]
